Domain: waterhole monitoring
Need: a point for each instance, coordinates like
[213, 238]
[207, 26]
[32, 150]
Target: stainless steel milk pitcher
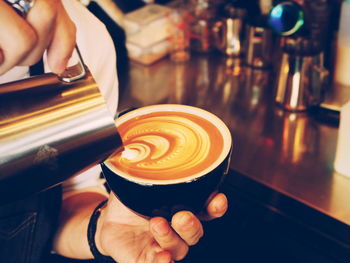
[300, 82]
[228, 32]
[51, 128]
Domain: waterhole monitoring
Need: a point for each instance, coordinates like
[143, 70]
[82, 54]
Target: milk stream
[129, 154]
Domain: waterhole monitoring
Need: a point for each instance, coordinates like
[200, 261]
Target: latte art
[167, 145]
[175, 157]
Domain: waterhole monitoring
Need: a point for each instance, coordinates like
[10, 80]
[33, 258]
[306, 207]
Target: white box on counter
[148, 55]
[147, 25]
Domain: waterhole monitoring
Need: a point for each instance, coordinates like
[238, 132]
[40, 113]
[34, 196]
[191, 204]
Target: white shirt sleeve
[97, 49]
[98, 52]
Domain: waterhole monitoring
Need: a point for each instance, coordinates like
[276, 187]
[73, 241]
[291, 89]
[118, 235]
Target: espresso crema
[166, 145]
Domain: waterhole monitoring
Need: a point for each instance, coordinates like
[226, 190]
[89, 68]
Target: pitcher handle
[75, 72]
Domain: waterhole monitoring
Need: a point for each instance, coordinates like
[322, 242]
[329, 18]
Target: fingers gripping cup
[174, 159]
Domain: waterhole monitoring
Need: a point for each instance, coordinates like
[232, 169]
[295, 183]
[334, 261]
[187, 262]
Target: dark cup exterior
[152, 200]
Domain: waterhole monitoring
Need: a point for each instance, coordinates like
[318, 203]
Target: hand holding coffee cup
[175, 158]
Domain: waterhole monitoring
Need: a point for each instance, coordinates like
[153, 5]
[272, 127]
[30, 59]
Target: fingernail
[220, 206]
[186, 221]
[217, 208]
[161, 229]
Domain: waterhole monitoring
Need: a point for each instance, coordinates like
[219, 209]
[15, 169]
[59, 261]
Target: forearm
[71, 237]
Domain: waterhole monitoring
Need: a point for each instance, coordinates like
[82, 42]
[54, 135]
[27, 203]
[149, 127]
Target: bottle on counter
[228, 31]
[342, 157]
[259, 39]
[204, 13]
[342, 62]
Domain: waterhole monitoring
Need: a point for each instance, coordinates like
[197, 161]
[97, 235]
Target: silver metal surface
[49, 131]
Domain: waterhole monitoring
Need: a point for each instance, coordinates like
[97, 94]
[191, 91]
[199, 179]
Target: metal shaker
[301, 77]
[301, 81]
[51, 128]
[228, 32]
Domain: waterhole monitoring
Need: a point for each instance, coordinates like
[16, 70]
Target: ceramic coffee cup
[174, 159]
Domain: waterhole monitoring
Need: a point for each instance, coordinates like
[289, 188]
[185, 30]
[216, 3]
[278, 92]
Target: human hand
[128, 237]
[23, 41]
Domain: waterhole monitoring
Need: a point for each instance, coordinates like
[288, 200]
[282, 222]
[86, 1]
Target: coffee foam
[169, 144]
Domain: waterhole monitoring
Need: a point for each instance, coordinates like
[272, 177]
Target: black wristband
[91, 235]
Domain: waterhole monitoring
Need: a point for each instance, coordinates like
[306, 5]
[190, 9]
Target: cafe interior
[276, 73]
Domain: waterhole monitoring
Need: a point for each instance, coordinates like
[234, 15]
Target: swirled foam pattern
[167, 145]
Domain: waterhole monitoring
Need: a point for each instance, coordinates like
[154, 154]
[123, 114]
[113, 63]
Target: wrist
[99, 226]
[75, 215]
[92, 237]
